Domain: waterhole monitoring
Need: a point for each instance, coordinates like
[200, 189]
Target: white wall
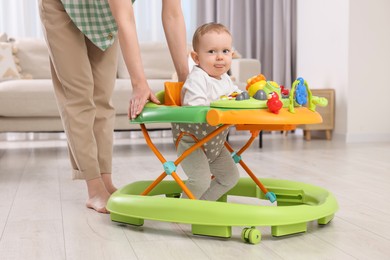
[345, 45]
[369, 70]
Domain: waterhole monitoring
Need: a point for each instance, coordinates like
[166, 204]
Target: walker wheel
[251, 235]
[244, 234]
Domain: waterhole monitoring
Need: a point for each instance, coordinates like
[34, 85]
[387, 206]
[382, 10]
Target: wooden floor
[42, 212]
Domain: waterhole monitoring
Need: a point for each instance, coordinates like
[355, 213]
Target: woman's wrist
[182, 75]
[138, 83]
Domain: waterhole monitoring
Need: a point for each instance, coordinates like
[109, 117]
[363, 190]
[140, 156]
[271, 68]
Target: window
[20, 18]
[148, 19]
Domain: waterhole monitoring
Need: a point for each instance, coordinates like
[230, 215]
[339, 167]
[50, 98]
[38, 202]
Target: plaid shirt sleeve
[94, 19]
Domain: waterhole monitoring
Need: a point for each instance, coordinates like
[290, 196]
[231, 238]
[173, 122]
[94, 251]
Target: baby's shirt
[200, 89]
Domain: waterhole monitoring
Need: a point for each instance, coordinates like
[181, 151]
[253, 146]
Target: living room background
[328, 51]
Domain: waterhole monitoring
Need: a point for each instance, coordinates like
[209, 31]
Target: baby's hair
[206, 28]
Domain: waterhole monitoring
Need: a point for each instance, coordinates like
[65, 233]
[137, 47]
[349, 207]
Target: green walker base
[297, 204]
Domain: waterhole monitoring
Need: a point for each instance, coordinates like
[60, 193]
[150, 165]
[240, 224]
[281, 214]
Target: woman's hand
[140, 96]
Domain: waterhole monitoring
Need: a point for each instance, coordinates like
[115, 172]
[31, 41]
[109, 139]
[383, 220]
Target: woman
[82, 38]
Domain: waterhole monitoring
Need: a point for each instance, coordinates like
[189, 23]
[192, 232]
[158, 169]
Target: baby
[208, 81]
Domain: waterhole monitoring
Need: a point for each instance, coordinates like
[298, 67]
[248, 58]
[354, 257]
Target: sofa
[28, 104]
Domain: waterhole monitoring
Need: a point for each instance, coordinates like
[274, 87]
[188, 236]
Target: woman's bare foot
[97, 195]
[106, 177]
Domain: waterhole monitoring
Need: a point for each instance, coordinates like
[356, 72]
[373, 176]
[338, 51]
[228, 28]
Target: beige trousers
[84, 79]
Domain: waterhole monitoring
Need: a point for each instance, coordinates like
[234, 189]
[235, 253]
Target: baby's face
[215, 53]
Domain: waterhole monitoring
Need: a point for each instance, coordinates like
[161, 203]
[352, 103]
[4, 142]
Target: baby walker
[260, 108]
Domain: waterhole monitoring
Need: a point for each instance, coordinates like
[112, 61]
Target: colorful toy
[297, 203]
[259, 88]
[260, 95]
[254, 79]
[255, 87]
[300, 94]
[285, 92]
[242, 96]
[274, 104]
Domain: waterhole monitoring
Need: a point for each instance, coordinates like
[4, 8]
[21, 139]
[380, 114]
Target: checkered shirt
[94, 19]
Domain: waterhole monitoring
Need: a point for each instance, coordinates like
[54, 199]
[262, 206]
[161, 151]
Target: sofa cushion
[3, 37]
[35, 98]
[34, 58]
[156, 60]
[27, 98]
[8, 66]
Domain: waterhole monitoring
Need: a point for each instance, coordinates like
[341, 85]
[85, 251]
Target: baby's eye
[212, 51]
[226, 51]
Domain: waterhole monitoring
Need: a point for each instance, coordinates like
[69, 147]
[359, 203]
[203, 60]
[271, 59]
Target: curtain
[261, 29]
[20, 18]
